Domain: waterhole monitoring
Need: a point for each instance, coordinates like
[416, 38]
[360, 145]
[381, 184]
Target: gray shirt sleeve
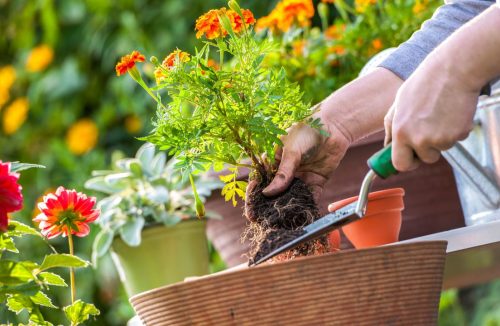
[443, 23]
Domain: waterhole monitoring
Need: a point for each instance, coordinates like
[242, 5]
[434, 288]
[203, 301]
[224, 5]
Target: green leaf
[18, 302]
[116, 178]
[37, 319]
[158, 195]
[51, 279]
[14, 273]
[62, 260]
[80, 311]
[99, 184]
[130, 232]
[42, 299]
[28, 289]
[17, 166]
[101, 244]
[18, 229]
[145, 154]
[6, 243]
[158, 164]
[135, 167]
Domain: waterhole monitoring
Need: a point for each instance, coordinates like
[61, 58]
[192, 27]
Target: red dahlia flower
[66, 211]
[11, 199]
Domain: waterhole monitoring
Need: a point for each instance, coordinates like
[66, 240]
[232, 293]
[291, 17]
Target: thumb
[388, 125]
[290, 161]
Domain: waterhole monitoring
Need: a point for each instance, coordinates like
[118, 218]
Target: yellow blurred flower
[39, 58]
[286, 14]
[420, 6]
[82, 136]
[334, 32]
[15, 115]
[7, 77]
[363, 5]
[133, 124]
[298, 47]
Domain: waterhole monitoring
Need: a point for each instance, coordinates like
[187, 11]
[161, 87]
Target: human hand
[432, 111]
[351, 113]
[308, 155]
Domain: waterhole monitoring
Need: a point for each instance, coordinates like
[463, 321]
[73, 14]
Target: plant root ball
[275, 221]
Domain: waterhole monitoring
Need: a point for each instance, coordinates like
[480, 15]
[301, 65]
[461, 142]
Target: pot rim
[372, 196]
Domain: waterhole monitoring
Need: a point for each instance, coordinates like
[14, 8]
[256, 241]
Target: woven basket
[391, 285]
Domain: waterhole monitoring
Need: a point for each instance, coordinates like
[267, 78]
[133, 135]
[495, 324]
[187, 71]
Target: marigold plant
[225, 114]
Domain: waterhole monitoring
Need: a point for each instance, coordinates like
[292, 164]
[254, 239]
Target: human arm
[357, 109]
[447, 18]
[349, 114]
[435, 107]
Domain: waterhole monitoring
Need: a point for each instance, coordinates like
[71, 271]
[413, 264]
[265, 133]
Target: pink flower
[11, 198]
[66, 211]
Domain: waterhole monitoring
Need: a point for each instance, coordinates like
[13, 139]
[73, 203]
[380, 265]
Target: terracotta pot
[382, 222]
[390, 285]
[334, 240]
[431, 201]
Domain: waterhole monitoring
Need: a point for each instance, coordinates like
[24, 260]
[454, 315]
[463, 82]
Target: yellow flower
[82, 136]
[133, 124]
[39, 58]
[7, 77]
[420, 5]
[363, 5]
[298, 47]
[15, 115]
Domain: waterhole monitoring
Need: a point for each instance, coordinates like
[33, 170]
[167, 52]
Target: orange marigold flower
[208, 24]
[328, 1]
[175, 57]
[211, 63]
[337, 49]
[237, 21]
[286, 14]
[333, 32]
[128, 61]
[377, 44]
[270, 21]
[66, 212]
[169, 62]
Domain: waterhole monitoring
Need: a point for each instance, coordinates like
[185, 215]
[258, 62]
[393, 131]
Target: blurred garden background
[62, 105]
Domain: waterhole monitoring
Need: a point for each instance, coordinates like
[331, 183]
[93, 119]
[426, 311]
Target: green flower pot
[166, 255]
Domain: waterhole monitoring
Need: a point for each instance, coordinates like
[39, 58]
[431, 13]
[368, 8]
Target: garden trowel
[380, 165]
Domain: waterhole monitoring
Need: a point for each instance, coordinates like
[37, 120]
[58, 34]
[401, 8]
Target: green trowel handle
[381, 163]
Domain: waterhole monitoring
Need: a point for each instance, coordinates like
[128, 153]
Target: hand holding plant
[231, 114]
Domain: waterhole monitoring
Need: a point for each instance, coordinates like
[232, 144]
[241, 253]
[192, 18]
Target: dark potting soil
[275, 221]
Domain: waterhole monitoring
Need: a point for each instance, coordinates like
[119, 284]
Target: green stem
[150, 92]
[71, 270]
